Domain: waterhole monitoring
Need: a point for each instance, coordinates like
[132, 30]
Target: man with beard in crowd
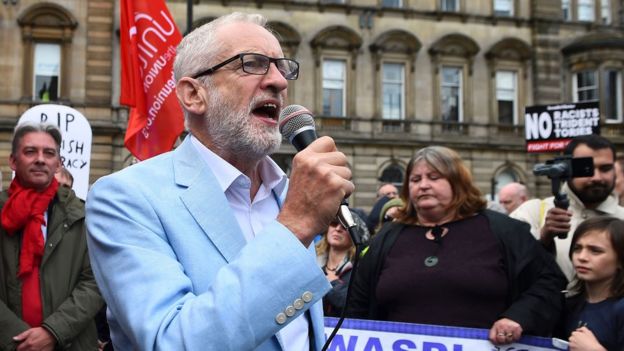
[589, 197]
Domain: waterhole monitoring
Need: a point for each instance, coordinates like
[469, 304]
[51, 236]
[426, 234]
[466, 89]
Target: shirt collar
[272, 176]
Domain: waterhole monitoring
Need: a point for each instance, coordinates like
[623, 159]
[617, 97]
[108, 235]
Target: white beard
[236, 132]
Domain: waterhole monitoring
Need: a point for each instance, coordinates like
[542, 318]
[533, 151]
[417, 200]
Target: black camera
[564, 168]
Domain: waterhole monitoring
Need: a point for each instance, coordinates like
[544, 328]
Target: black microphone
[296, 124]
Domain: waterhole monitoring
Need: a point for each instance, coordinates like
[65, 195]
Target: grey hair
[198, 47]
[30, 127]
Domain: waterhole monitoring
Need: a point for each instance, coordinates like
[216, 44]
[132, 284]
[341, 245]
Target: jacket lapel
[205, 200]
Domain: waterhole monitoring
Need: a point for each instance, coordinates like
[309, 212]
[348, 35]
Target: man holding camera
[588, 196]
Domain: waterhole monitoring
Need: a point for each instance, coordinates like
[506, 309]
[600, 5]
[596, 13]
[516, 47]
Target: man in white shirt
[589, 197]
[208, 247]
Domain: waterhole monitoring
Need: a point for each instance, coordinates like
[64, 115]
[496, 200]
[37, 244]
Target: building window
[392, 3]
[46, 72]
[393, 91]
[503, 8]
[507, 96]
[47, 32]
[451, 94]
[585, 86]
[586, 10]
[605, 11]
[449, 5]
[612, 102]
[334, 83]
[566, 11]
[393, 173]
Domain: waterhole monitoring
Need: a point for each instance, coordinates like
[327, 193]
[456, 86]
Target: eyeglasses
[258, 64]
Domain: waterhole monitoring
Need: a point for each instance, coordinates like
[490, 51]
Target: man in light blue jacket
[208, 247]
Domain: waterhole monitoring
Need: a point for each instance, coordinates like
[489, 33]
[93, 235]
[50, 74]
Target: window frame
[596, 86]
[403, 90]
[400, 5]
[619, 107]
[342, 43]
[512, 8]
[458, 6]
[344, 80]
[599, 8]
[457, 50]
[47, 23]
[392, 167]
[587, 3]
[570, 6]
[605, 9]
[34, 91]
[460, 94]
[516, 95]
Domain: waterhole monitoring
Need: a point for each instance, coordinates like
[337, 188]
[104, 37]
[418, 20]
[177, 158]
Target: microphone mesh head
[293, 118]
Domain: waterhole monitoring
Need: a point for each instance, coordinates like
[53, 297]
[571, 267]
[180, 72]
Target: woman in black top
[446, 260]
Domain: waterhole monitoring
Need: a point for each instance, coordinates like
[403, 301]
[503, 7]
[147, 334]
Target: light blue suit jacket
[176, 271]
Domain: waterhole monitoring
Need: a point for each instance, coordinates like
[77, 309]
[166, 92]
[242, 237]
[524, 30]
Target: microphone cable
[344, 220]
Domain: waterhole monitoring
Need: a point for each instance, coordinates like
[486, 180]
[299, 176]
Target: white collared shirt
[252, 216]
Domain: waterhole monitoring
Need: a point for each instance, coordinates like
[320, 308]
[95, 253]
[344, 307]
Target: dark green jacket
[70, 296]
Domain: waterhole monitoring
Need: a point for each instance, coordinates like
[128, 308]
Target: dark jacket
[335, 299]
[70, 296]
[535, 281]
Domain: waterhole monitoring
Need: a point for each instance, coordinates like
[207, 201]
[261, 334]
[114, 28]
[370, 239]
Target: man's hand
[35, 339]
[557, 221]
[319, 181]
[505, 331]
[583, 339]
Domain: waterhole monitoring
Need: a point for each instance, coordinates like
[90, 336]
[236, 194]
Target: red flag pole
[149, 38]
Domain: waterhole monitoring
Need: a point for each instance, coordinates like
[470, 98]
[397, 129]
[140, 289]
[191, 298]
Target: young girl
[594, 316]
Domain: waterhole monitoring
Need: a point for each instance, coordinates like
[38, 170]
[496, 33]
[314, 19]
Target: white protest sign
[76, 144]
[370, 335]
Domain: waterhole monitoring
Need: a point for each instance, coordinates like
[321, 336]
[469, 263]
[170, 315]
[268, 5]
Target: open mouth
[268, 111]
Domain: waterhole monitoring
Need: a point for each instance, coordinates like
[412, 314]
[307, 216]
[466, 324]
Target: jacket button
[307, 296]
[280, 318]
[65, 225]
[298, 304]
[290, 311]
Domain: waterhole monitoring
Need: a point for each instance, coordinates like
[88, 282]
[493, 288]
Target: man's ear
[12, 162]
[189, 94]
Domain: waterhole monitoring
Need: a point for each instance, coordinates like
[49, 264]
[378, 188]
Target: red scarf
[24, 210]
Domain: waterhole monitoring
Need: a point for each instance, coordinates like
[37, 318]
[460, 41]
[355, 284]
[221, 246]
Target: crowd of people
[212, 246]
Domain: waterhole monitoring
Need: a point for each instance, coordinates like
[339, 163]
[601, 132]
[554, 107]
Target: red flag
[149, 38]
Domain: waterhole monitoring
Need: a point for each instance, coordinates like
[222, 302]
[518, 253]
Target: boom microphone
[296, 124]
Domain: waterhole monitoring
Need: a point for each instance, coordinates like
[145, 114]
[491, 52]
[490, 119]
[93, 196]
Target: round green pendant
[431, 261]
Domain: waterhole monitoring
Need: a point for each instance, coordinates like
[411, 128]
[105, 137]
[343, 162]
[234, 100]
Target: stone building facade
[383, 77]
